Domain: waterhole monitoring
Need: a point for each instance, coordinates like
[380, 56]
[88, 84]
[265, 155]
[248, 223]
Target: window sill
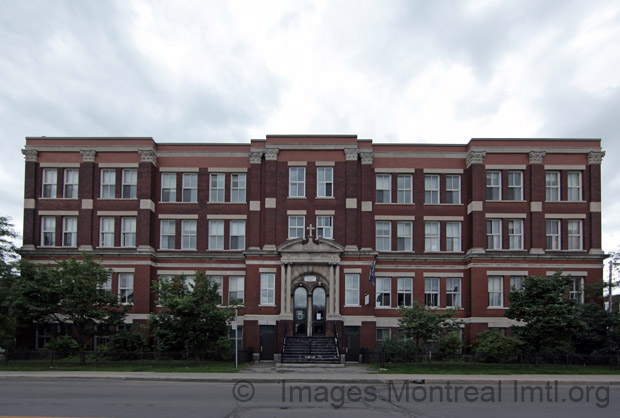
[497, 308]
[325, 198]
[227, 203]
[443, 204]
[352, 306]
[396, 204]
[385, 307]
[296, 197]
[566, 201]
[508, 201]
[270, 305]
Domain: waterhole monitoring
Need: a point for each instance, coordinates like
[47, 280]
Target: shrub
[492, 346]
[450, 344]
[62, 342]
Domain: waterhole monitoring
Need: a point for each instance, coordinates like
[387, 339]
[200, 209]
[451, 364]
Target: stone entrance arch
[311, 293]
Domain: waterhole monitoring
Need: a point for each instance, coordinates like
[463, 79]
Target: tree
[190, 318]
[8, 258]
[70, 293]
[550, 320]
[422, 323]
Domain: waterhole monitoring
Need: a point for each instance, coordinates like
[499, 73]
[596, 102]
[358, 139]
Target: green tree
[190, 318]
[424, 324]
[8, 259]
[550, 320]
[70, 293]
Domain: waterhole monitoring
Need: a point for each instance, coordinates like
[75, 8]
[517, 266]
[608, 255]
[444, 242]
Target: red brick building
[291, 225]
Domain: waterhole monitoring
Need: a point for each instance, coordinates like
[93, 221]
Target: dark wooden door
[267, 341]
[352, 343]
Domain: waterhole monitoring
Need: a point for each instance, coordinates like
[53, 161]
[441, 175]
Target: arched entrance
[318, 311]
[300, 311]
[310, 299]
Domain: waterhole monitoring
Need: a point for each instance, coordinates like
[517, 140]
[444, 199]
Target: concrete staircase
[316, 350]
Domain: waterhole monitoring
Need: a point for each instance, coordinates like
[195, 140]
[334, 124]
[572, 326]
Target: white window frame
[220, 286]
[297, 182]
[404, 236]
[71, 183]
[494, 234]
[129, 188]
[404, 185]
[48, 228]
[166, 233]
[69, 230]
[576, 289]
[494, 186]
[383, 183]
[453, 292]
[238, 185]
[107, 285]
[108, 183]
[516, 283]
[496, 291]
[236, 286]
[553, 230]
[49, 187]
[294, 229]
[125, 288]
[189, 229]
[325, 182]
[237, 235]
[575, 237]
[128, 231]
[431, 189]
[216, 235]
[106, 231]
[515, 185]
[383, 236]
[325, 227]
[404, 286]
[453, 189]
[352, 289]
[574, 181]
[189, 188]
[382, 335]
[552, 186]
[383, 292]
[432, 236]
[453, 236]
[217, 188]
[432, 297]
[267, 289]
[515, 234]
[168, 187]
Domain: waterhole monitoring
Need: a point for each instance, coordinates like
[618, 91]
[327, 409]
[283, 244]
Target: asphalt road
[154, 399]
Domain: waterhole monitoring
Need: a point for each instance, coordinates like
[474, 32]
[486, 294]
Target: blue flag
[372, 272]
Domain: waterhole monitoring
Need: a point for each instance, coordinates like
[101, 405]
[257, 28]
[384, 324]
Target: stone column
[337, 290]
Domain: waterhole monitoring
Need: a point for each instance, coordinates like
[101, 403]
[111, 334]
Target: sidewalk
[352, 373]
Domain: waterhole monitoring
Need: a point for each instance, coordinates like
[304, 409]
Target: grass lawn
[412, 368]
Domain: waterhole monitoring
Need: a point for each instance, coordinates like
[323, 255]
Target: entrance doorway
[300, 309]
[318, 311]
[267, 341]
[352, 343]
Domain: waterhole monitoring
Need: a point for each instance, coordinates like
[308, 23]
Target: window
[405, 291]
[575, 233]
[325, 182]
[189, 284]
[404, 236]
[168, 187]
[431, 291]
[515, 234]
[217, 187]
[108, 184]
[219, 281]
[352, 289]
[130, 183]
[267, 289]
[453, 236]
[494, 182]
[495, 291]
[69, 231]
[383, 238]
[576, 289]
[384, 291]
[168, 231]
[235, 337]
[453, 189]
[125, 287]
[516, 283]
[188, 234]
[405, 188]
[515, 185]
[325, 227]
[71, 183]
[48, 231]
[384, 188]
[296, 225]
[128, 232]
[383, 334]
[552, 186]
[297, 181]
[190, 188]
[107, 232]
[431, 189]
[107, 285]
[431, 236]
[453, 292]
[494, 234]
[553, 234]
[237, 187]
[237, 235]
[216, 235]
[50, 178]
[574, 186]
[236, 286]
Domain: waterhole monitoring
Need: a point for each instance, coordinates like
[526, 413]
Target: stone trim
[88, 155]
[475, 157]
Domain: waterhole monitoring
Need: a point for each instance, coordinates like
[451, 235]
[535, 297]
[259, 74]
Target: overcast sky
[228, 71]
